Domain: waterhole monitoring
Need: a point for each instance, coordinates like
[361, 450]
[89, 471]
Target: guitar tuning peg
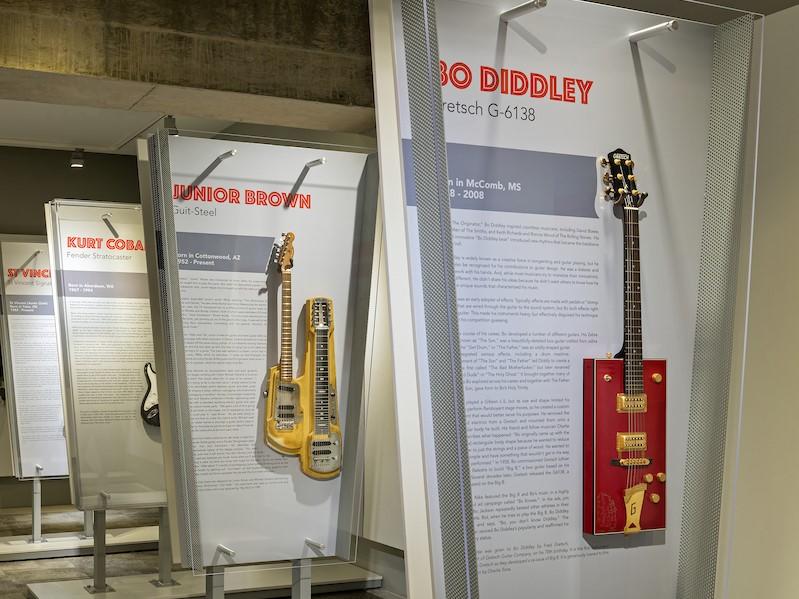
[606, 178]
[644, 196]
[629, 163]
[603, 161]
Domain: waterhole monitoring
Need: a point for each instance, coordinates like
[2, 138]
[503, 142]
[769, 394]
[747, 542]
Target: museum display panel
[263, 266]
[101, 295]
[33, 393]
[570, 211]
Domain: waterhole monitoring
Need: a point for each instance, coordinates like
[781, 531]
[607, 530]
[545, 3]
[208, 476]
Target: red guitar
[624, 399]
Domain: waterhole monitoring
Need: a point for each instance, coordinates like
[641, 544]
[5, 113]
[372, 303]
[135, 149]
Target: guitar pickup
[631, 462]
[630, 442]
[631, 404]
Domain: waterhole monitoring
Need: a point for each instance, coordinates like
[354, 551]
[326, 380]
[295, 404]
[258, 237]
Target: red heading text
[517, 83]
[231, 195]
[99, 243]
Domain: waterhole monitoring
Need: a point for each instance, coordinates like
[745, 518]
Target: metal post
[215, 582]
[643, 34]
[88, 524]
[164, 552]
[99, 585]
[521, 9]
[301, 579]
[36, 535]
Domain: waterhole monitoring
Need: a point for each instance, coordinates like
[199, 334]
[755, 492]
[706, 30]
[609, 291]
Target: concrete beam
[309, 50]
[81, 90]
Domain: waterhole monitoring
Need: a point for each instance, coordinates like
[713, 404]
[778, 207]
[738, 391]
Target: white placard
[35, 412]
[105, 338]
[528, 107]
[242, 494]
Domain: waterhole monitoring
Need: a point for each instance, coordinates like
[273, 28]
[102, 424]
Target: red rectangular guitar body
[606, 482]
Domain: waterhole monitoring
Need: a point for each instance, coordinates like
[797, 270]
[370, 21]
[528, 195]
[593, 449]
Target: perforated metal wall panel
[715, 311]
[429, 166]
[173, 345]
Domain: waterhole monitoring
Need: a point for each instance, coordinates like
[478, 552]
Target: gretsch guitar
[624, 399]
[320, 457]
[150, 411]
[283, 429]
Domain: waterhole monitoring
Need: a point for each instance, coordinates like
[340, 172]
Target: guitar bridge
[631, 404]
[631, 462]
[630, 442]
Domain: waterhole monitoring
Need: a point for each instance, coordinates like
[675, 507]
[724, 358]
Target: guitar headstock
[321, 313]
[284, 252]
[621, 186]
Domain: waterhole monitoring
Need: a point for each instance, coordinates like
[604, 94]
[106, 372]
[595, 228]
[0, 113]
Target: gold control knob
[616, 161]
[609, 355]
[631, 177]
[661, 477]
[657, 377]
[628, 163]
[620, 190]
[654, 498]
[635, 192]
[607, 378]
[648, 478]
[620, 177]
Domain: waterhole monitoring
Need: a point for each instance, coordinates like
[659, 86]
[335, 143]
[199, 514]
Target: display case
[102, 300]
[263, 270]
[563, 186]
[30, 360]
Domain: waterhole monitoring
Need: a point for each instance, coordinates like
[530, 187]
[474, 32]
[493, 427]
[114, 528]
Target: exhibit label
[30, 357]
[102, 295]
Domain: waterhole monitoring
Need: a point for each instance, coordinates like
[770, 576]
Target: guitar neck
[322, 382]
[633, 344]
[286, 342]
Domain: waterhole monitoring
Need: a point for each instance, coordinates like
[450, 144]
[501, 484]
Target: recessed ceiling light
[77, 160]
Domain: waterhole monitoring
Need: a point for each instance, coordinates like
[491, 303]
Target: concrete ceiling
[711, 11]
[48, 110]
[104, 130]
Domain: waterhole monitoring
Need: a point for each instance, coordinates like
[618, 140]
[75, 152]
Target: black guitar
[149, 405]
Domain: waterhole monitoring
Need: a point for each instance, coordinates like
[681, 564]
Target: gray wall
[29, 178]
[762, 537]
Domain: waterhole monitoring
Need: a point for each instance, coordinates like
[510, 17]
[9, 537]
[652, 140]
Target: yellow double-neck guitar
[302, 412]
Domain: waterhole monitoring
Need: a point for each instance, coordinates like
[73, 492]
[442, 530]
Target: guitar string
[622, 191]
[626, 363]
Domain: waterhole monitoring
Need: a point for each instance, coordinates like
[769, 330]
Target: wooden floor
[15, 576]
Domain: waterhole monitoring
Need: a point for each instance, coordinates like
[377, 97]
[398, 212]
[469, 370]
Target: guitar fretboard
[286, 352]
[633, 350]
[322, 383]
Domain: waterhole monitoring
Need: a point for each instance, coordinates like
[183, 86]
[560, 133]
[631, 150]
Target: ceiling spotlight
[171, 125]
[77, 160]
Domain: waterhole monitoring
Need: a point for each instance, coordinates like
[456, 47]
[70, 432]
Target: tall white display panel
[516, 266]
[30, 359]
[230, 314]
[105, 339]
